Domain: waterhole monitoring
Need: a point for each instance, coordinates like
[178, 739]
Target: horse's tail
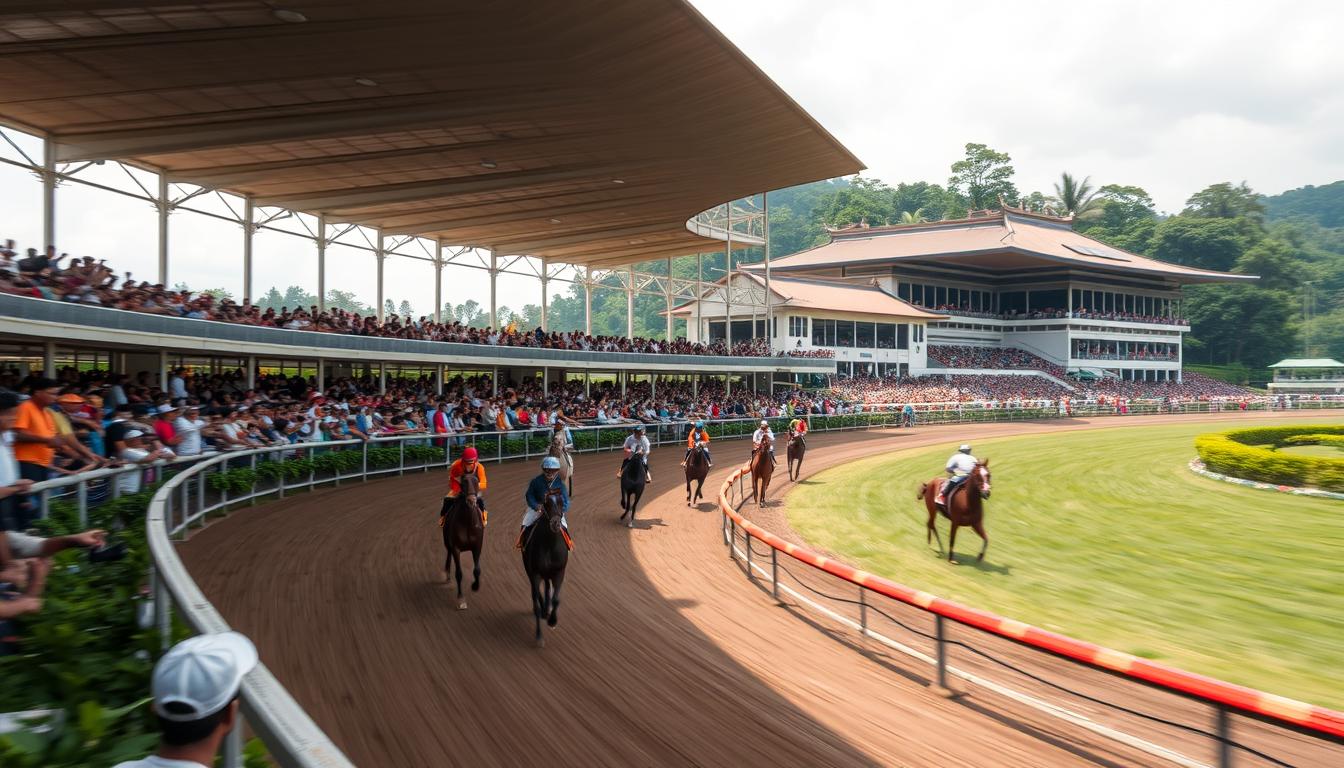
[923, 487]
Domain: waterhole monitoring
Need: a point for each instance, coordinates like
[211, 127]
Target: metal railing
[192, 495]
[1272, 727]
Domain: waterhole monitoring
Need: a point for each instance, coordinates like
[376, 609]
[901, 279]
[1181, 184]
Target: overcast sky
[1170, 96]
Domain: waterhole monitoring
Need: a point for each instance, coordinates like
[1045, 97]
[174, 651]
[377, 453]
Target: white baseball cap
[201, 675]
[165, 408]
[134, 433]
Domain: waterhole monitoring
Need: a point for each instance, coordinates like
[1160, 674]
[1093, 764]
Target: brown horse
[463, 530]
[697, 469]
[762, 467]
[797, 449]
[965, 507]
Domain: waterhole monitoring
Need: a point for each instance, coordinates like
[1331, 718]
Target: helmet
[550, 462]
[699, 425]
[765, 423]
[965, 448]
[639, 427]
[469, 454]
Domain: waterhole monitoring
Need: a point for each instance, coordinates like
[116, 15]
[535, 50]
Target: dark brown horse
[697, 469]
[762, 467]
[463, 530]
[545, 556]
[632, 487]
[797, 449]
[965, 507]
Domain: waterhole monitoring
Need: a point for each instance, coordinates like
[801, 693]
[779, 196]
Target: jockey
[699, 436]
[637, 445]
[958, 468]
[759, 436]
[548, 483]
[561, 427]
[798, 429]
[465, 465]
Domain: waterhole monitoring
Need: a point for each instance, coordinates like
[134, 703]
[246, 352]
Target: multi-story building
[876, 297]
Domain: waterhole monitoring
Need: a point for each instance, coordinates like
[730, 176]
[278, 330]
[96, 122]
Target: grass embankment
[1105, 535]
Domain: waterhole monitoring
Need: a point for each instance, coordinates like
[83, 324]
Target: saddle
[947, 493]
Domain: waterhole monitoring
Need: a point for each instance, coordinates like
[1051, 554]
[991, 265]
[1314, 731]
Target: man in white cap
[135, 452]
[958, 468]
[195, 689]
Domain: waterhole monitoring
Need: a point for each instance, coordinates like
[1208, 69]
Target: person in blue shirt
[547, 483]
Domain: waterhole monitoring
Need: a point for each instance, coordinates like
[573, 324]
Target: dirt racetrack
[665, 654]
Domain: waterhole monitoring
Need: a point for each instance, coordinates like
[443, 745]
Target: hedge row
[1249, 454]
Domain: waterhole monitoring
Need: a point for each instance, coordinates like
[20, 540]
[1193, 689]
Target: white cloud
[1169, 96]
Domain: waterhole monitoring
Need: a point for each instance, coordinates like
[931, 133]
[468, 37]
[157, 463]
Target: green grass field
[1105, 535]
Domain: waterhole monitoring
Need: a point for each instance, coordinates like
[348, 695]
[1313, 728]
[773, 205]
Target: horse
[697, 468]
[797, 449]
[566, 458]
[545, 555]
[965, 507]
[762, 467]
[632, 487]
[463, 529]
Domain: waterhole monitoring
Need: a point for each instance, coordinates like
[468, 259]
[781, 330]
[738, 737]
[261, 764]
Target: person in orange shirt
[35, 435]
[466, 464]
[699, 435]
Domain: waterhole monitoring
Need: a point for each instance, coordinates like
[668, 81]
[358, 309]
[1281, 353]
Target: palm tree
[1077, 198]
[913, 217]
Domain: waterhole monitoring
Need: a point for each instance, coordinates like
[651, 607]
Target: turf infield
[1107, 536]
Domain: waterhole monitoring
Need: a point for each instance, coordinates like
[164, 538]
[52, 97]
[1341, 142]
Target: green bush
[1249, 454]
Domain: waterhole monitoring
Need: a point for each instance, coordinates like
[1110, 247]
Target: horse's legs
[457, 573]
[952, 543]
[688, 491]
[476, 568]
[536, 606]
[979, 528]
[932, 532]
[559, 581]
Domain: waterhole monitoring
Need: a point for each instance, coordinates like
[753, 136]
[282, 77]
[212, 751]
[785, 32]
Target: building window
[903, 291]
[844, 333]
[865, 336]
[903, 336]
[886, 336]
[797, 327]
[823, 333]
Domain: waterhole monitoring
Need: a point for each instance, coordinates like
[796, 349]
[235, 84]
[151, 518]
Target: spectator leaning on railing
[35, 436]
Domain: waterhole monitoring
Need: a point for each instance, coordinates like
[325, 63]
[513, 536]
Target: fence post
[863, 611]
[401, 457]
[364, 463]
[732, 538]
[1223, 729]
[252, 497]
[774, 573]
[941, 639]
[162, 616]
[83, 491]
[200, 491]
[232, 753]
[746, 536]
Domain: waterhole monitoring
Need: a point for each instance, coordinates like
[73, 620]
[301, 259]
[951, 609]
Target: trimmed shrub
[1249, 454]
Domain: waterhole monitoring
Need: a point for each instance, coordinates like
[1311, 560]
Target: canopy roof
[831, 296]
[586, 131]
[1308, 362]
[1000, 241]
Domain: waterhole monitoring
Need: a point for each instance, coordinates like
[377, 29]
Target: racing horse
[797, 449]
[632, 487]
[762, 467]
[558, 450]
[965, 506]
[697, 468]
[463, 530]
[545, 555]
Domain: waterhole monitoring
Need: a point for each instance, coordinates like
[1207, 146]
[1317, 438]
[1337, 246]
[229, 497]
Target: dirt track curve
[664, 654]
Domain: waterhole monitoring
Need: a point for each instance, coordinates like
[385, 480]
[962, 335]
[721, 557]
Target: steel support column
[382, 378]
[48, 192]
[322, 263]
[728, 285]
[163, 370]
[163, 206]
[251, 372]
[494, 284]
[667, 294]
[248, 229]
[438, 288]
[381, 255]
[629, 305]
[700, 335]
[49, 360]
[321, 374]
[765, 226]
[545, 296]
[588, 301]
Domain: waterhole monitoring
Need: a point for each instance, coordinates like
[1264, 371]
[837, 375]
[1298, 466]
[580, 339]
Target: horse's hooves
[462, 606]
[630, 524]
[550, 622]
[475, 586]
[950, 561]
[541, 642]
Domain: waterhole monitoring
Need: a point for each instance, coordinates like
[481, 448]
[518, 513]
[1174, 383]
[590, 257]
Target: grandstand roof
[1003, 240]
[586, 132]
[831, 296]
